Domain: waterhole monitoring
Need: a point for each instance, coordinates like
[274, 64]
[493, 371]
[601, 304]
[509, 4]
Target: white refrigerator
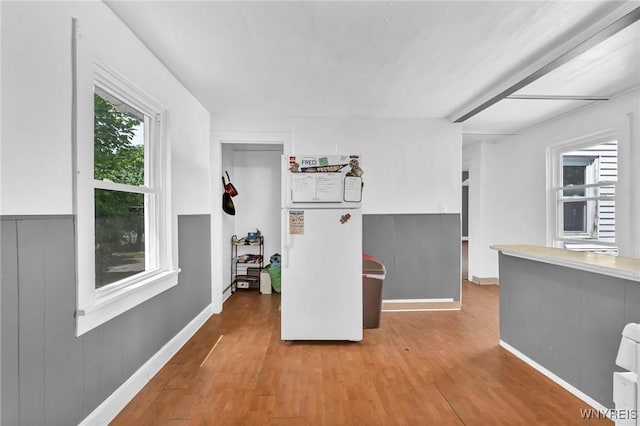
[321, 290]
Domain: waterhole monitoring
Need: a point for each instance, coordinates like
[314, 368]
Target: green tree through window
[119, 157]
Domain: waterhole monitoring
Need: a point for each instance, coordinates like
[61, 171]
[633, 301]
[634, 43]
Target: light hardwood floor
[419, 368]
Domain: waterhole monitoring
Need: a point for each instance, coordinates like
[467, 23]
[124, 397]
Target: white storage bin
[265, 282]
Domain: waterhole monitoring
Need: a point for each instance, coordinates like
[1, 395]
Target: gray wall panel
[9, 323]
[91, 397]
[451, 246]
[110, 361]
[547, 291]
[631, 302]
[31, 283]
[602, 304]
[194, 251]
[526, 310]
[506, 271]
[410, 278]
[420, 251]
[63, 351]
[138, 339]
[577, 326]
[561, 311]
[378, 239]
[49, 376]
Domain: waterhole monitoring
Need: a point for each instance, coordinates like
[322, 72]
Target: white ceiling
[385, 59]
[609, 68]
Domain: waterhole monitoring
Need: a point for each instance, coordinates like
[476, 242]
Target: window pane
[118, 141]
[575, 217]
[573, 175]
[590, 220]
[119, 235]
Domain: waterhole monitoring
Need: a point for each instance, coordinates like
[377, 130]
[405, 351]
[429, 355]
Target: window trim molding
[554, 172]
[97, 306]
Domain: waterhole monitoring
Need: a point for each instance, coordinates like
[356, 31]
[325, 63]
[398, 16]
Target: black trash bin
[373, 273]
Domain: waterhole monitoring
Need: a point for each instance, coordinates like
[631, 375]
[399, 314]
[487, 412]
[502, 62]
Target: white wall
[481, 263]
[508, 192]
[37, 162]
[411, 165]
[256, 176]
[36, 113]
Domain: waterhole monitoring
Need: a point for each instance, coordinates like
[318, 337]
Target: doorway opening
[254, 169]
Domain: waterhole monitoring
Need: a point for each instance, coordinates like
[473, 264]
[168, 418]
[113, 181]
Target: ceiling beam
[488, 134]
[604, 29]
[559, 97]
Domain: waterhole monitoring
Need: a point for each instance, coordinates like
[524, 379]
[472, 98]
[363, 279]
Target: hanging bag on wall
[227, 202]
[231, 190]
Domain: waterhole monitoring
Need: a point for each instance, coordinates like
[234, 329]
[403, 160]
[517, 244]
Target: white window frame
[97, 306]
[591, 171]
[555, 188]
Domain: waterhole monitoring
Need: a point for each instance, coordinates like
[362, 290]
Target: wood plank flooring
[418, 368]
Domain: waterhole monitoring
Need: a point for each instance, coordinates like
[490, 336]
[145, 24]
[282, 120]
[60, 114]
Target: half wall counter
[563, 313]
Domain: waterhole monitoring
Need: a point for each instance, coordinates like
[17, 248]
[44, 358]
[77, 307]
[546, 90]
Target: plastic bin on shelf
[373, 274]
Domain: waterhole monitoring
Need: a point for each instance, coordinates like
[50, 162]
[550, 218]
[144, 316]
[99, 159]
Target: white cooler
[265, 282]
[625, 385]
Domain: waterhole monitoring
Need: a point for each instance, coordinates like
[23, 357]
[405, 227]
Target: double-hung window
[584, 196]
[123, 210]
[124, 194]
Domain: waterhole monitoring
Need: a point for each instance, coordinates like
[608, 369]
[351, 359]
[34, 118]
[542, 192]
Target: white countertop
[615, 266]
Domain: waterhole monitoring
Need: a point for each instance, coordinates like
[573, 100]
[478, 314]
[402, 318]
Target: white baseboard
[447, 299]
[567, 386]
[110, 407]
[226, 295]
[484, 280]
[418, 305]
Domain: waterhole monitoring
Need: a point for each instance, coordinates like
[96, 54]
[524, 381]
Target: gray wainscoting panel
[631, 301]
[91, 373]
[506, 329]
[51, 377]
[602, 307]
[560, 289]
[567, 320]
[525, 312]
[9, 322]
[31, 308]
[194, 248]
[421, 253]
[63, 351]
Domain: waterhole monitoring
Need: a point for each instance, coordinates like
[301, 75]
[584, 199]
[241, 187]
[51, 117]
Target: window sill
[110, 306]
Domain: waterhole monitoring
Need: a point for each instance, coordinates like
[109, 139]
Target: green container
[275, 274]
